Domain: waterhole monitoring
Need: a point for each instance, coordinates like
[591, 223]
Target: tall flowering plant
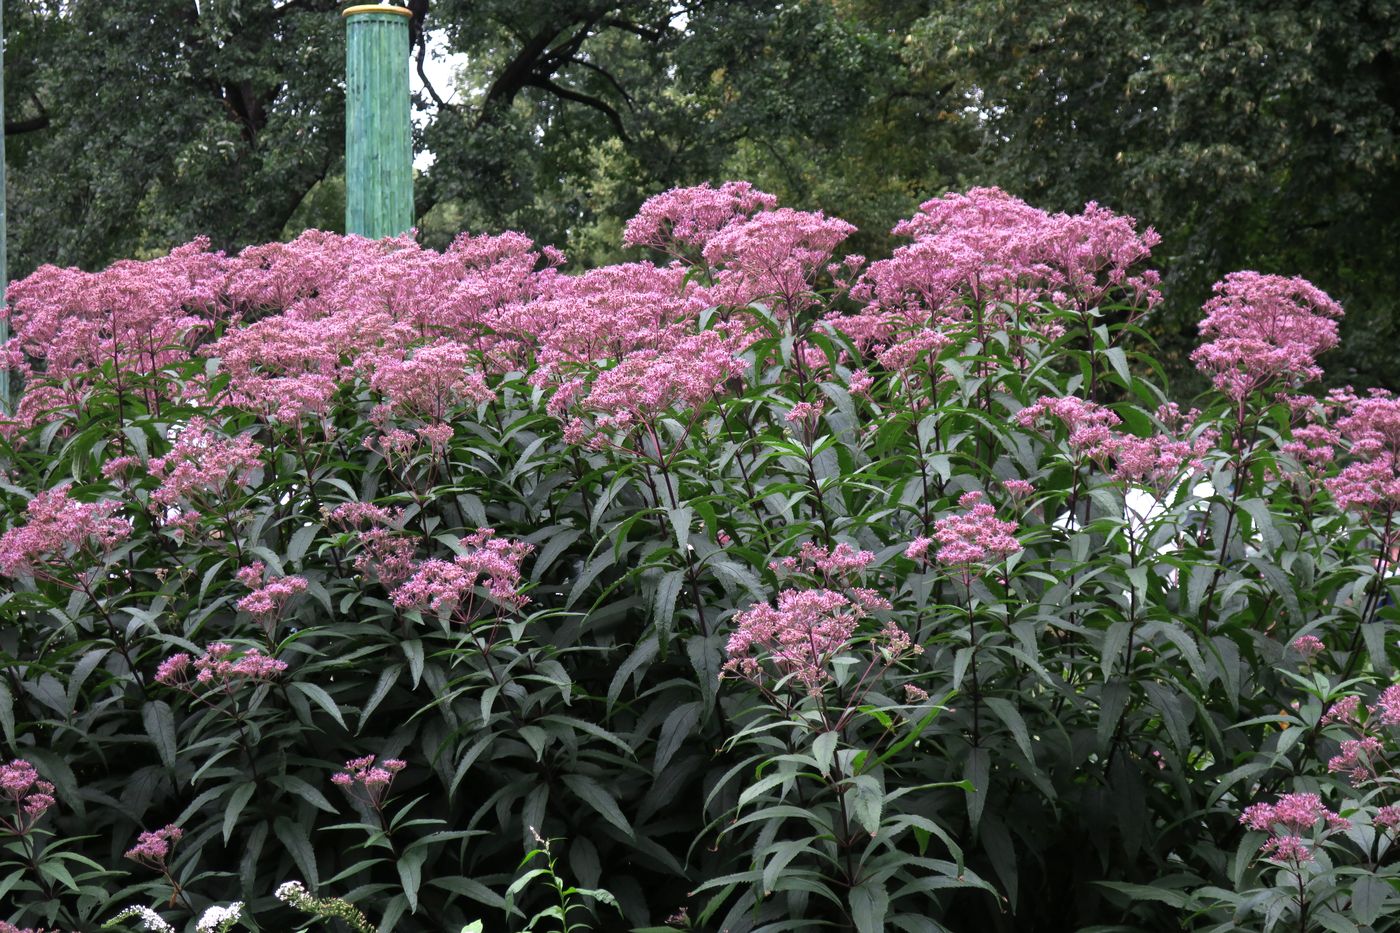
[777, 587]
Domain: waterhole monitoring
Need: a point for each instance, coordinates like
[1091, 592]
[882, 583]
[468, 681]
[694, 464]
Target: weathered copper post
[378, 136]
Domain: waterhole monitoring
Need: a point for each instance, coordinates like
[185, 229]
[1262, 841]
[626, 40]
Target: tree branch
[588, 100]
[428, 85]
[16, 127]
[607, 76]
[516, 74]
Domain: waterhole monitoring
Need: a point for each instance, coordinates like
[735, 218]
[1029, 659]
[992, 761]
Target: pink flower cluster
[683, 220]
[840, 564]
[267, 599]
[1263, 330]
[608, 313]
[30, 796]
[1370, 483]
[1155, 461]
[428, 381]
[1362, 754]
[203, 460]
[1308, 646]
[1287, 821]
[1090, 425]
[1313, 445]
[648, 382]
[1356, 758]
[218, 669]
[775, 257]
[141, 316]
[153, 848]
[423, 327]
[363, 775]
[799, 637]
[385, 554]
[488, 562]
[974, 539]
[57, 525]
[984, 258]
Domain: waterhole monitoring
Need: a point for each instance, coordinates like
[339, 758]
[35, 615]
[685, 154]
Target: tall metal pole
[5, 400]
[378, 137]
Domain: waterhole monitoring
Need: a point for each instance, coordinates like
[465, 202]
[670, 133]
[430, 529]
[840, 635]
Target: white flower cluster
[220, 919]
[289, 892]
[150, 920]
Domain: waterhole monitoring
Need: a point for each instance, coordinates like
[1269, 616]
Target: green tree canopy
[1258, 135]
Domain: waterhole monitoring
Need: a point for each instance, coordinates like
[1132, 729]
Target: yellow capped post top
[376, 8]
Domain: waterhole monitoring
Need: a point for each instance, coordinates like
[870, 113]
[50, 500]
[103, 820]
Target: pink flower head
[800, 636]
[201, 460]
[974, 538]
[608, 314]
[1157, 461]
[139, 317]
[251, 575]
[648, 382]
[57, 526]
[1344, 710]
[1018, 488]
[30, 796]
[1313, 445]
[488, 562]
[118, 467]
[429, 381]
[355, 514]
[1387, 708]
[154, 848]
[1367, 485]
[918, 548]
[805, 414]
[362, 774]
[1356, 759]
[684, 219]
[174, 670]
[1286, 849]
[266, 602]
[1370, 423]
[1295, 813]
[1090, 425]
[219, 668]
[1387, 817]
[1308, 646]
[1264, 329]
[773, 257]
[841, 563]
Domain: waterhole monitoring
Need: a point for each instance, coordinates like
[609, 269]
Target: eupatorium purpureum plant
[777, 588]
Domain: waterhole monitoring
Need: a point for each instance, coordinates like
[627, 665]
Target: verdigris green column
[378, 138]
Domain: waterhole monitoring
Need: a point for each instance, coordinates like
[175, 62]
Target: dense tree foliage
[1253, 134]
